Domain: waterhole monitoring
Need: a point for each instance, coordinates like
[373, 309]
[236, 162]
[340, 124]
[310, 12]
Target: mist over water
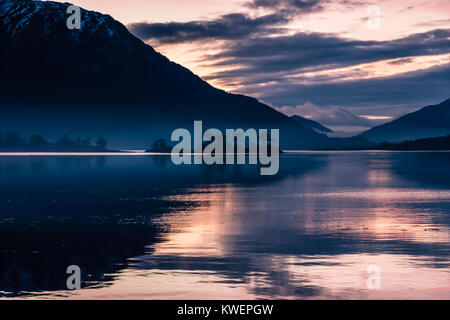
[140, 227]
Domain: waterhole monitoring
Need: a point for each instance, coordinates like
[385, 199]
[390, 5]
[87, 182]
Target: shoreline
[130, 153]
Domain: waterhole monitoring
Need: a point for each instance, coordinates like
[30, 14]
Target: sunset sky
[348, 64]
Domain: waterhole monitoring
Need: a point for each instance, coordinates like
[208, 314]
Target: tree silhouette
[65, 141]
[86, 142]
[37, 140]
[12, 139]
[101, 143]
[160, 145]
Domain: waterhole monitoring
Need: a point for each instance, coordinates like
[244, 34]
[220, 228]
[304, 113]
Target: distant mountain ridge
[102, 80]
[430, 121]
[308, 123]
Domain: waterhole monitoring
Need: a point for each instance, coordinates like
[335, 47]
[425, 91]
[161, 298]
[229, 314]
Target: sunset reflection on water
[305, 235]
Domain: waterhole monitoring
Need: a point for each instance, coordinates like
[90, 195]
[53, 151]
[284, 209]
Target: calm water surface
[141, 228]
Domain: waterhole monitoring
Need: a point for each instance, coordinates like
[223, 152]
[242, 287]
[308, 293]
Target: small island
[161, 146]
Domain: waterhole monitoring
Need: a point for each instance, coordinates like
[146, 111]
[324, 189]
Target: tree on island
[160, 145]
[86, 142]
[65, 141]
[101, 143]
[36, 140]
[13, 139]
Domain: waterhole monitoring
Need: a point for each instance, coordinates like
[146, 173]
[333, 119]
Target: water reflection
[168, 232]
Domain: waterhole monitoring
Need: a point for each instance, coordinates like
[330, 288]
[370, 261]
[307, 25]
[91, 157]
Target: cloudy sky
[348, 64]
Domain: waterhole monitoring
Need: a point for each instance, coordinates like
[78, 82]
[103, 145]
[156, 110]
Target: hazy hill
[430, 121]
[308, 123]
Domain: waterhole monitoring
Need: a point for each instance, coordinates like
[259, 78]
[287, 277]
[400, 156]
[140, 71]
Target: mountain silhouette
[102, 80]
[438, 143]
[308, 123]
[430, 121]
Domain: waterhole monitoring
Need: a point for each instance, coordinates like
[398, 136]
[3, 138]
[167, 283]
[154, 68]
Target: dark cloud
[273, 69]
[316, 51]
[227, 27]
[231, 26]
[401, 61]
[434, 23]
[269, 64]
[388, 95]
[301, 5]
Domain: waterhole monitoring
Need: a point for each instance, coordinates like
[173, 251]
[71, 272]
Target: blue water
[141, 228]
